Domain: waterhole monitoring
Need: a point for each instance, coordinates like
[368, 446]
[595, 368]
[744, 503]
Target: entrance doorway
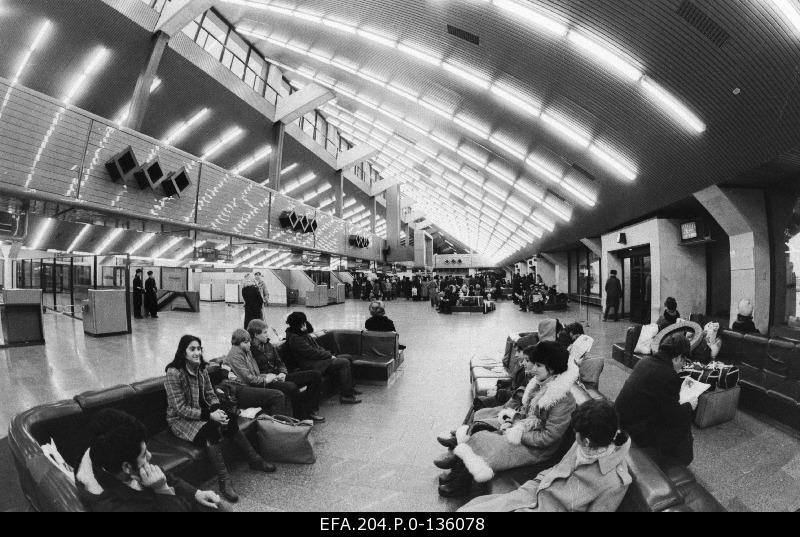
[640, 287]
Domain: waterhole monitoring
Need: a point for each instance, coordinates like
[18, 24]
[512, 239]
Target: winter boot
[459, 482]
[253, 459]
[446, 461]
[226, 489]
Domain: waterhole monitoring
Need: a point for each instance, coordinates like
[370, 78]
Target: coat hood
[547, 330]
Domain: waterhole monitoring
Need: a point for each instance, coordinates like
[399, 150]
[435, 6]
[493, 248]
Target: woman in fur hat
[528, 435]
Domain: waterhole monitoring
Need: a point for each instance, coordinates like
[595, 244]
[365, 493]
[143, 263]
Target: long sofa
[66, 422]
[769, 370]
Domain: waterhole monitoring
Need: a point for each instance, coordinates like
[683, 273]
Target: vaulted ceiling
[514, 126]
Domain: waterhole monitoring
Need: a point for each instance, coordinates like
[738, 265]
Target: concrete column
[741, 213]
[276, 156]
[373, 213]
[338, 187]
[141, 93]
[393, 217]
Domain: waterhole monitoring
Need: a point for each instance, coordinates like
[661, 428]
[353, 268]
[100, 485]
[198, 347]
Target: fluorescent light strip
[43, 30]
[226, 139]
[182, 127]
[473, 128]
[436, 110]
[141, 242]
[79, 237]
[604, 155]
[528, 191]
[534, 17]
[605, 56]
[252, 161]
[506, 94]
[341, 26]
[500, 174]
[376, 38]
[97, 57]
[576, 191]
[474, 78]
[673, 106]
[475, 159]
[170, 243]
[790, 11]
[44, 227]
[543, 170]
[580, 139]
[124, 113]
[547, 204]
[420, 54]
[110, 238]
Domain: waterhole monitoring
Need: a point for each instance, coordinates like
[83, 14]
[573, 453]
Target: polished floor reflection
[377, 455]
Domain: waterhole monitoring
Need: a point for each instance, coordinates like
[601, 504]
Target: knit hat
[550, 354]
[547, 330]
[296, 319]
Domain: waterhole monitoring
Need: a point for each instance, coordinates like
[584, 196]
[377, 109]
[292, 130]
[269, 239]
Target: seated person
[242, 361]
[592, 477]
[569, 334]
[670, 315]
[309, 355]
[744, 319]
[115, 474]
[194, 413]
[649, 404]
[378, 321]
[710, 346]
[516, 436]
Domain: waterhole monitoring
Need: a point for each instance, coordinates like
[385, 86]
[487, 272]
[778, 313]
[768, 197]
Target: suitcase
[715, 407]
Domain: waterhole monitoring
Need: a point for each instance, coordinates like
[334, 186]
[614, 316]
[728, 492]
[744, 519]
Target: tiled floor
[377, 455]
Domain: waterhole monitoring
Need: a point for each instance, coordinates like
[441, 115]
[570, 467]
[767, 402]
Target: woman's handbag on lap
[285, 439]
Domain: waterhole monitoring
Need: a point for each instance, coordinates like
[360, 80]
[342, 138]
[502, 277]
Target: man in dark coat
[613, 295]
[649, 404]
[151, 296]
[253, 301]
[138, 291]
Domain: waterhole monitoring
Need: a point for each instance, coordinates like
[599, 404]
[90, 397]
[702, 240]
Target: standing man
[262, 287]
[138, 291]
[150, 296]
[613, 294]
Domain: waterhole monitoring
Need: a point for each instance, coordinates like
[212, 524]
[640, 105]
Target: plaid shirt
[184, 390]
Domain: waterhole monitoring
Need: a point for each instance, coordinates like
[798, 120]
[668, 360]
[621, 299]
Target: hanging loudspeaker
[121, 165]
[176, 182]
[149, 175]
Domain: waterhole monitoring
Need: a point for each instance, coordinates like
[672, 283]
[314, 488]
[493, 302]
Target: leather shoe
[316, 418]
[263, 466]
[448, 440]
[446, 461]
[227, 491]
[350, 400]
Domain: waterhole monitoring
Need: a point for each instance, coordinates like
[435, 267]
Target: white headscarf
[249, 280]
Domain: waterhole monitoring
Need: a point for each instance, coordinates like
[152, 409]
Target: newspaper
[691, 389]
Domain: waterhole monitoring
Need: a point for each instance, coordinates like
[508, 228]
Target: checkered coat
[184, 390]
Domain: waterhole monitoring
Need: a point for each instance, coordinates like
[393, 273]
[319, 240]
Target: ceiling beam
[354, 156]
[301, 102]
[177, 14]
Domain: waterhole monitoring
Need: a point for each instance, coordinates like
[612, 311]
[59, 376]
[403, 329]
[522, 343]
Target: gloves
[269, 377]
[507, 414]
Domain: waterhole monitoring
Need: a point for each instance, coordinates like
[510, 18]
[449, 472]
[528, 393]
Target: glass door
[640, 289]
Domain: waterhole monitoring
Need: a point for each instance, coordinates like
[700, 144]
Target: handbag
[719, 375]
[285, 439]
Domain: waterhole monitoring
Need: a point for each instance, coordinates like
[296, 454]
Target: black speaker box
[176, 182]
[121, 165]
[149, 175]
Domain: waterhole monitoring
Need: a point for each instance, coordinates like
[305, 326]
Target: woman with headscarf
[253, 301]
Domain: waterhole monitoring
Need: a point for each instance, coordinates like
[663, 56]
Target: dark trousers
[340, 367]
[250, 315]
[304, 403]
[151, 305]
[271, 401]
[213, 432]
[137, 304]
[612, 304]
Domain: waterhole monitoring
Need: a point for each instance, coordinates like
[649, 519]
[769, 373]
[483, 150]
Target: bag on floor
[719, 375]
[285, 439]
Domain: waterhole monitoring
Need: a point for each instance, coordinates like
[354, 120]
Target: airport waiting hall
[421, 256]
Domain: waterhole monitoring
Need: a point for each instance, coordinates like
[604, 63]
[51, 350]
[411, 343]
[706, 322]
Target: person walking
[151, 296]
[138, 292]
[253, 301]
[613, 295]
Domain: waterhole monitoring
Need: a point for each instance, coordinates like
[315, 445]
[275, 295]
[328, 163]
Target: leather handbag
[285, 439]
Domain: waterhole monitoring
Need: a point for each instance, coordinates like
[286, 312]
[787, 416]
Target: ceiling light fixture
[507, 95]
[183, 126]
[110, 238]
[252, 161]
[605, 155]
[226, 139]
[476, 79]
[44, 227]
[372, 36]
[478, 130]
[141, 242]
[579, 138]
[420, 54]
[436, 109]
[605, 55]
[170, 243]
[43, 30]
[97, 57]
[72, 247]
[338, 25]
[790, 11]
[673, 106]
[289, 168]
[543, 169]
[535, 17]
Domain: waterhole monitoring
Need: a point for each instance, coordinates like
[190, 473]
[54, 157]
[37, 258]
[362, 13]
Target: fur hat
[745, 308]
[551, 355]
[671, 303]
